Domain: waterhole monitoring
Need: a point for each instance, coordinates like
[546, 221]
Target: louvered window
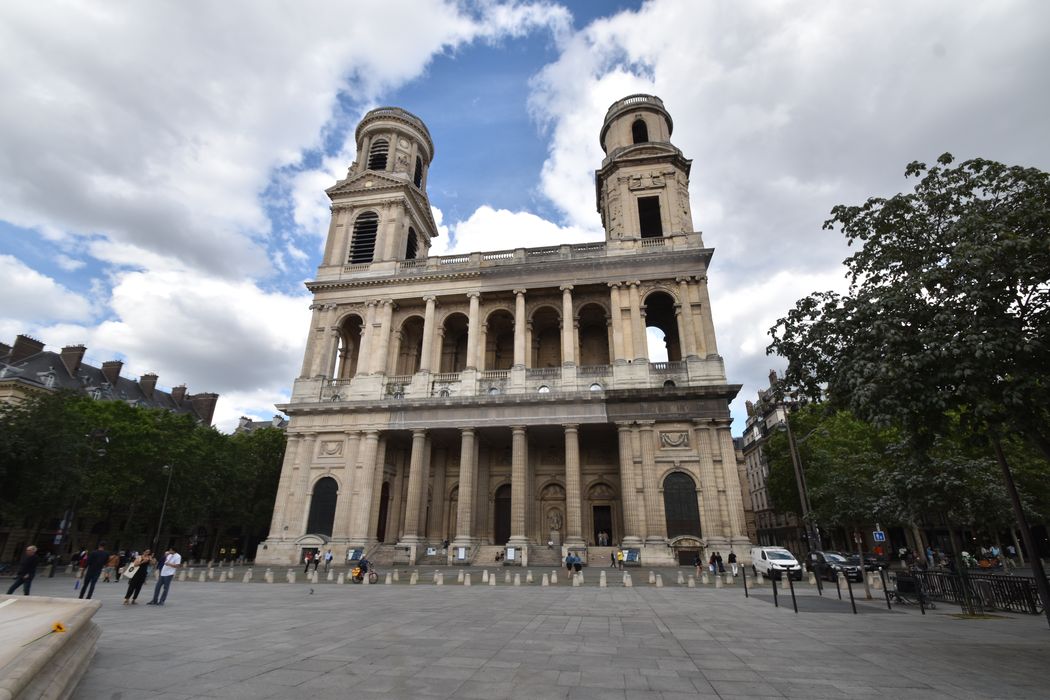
[412, 247]
[377, 154]
[418, 178]
[364, 243]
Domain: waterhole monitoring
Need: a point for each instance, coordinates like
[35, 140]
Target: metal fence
[988, 591]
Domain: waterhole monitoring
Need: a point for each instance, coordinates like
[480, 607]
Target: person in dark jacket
[96, 561]
[26, 571]
[135, 581]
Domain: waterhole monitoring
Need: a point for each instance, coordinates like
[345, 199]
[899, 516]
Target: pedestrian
[718, 561]
[26, 572]
[568, 562]
[732, 562]
[612, 559]
[171, 563]
[308, 557]
[111, 567]
[929, 556]
[317, 559]
[619, 559]
[697, 562]
[327, 560]
[136, 573]
[712, 563]
[81, 563]
[96, 561]
[577, 563]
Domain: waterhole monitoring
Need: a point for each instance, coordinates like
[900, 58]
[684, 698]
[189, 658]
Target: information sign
[878, 536]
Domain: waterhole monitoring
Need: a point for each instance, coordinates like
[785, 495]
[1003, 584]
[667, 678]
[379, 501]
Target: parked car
[773, 562]
[872, 562]
[827, 565]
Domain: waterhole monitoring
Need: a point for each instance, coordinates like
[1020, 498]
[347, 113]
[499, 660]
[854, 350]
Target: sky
[163, 164]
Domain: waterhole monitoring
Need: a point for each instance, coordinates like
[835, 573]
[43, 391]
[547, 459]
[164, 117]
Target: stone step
[486, 555]
[600, 556]
[541, 556]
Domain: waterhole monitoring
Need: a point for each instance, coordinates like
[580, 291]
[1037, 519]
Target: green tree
[947, 315]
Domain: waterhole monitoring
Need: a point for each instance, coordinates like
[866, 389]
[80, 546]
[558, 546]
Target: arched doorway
[384, 507]
[454, 344]
[602, 500]
[660, 314]
[546, 338]
[411, 349]
[350, 331]
[593, 336]
[499, 340]
[501, 515]
[681, 509]
[322, 507]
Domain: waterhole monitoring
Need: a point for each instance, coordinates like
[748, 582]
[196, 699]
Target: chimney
[243, 421]
[24, 347]
[772, 378]
[111, 371]
[204, 406]
[72, 355]
[179, 393]
[4, 350]
[276, 422]
[750, 408]
[147, 383]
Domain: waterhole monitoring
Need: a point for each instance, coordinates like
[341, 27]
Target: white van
[768, 559]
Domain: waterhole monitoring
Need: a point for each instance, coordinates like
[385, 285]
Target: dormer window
[640, 131]
[377, 154]
[363, 246]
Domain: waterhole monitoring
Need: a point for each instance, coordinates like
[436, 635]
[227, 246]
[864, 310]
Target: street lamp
[164, 506]
[812, 532]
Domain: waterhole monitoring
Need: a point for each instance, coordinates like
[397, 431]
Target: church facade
[504, 402]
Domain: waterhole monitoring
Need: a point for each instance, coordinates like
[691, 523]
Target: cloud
[31, 298]
[499, 229]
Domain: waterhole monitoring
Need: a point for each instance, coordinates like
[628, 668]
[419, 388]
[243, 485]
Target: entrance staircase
[381, 555]
[599, 556]
[485, 555]
[540, 556]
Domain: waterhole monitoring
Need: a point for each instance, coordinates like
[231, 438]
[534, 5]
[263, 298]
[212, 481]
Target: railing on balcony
[653, 242]
[495, 374]
[543, 373]
[594, 371]
[666, 367]
[446, 377]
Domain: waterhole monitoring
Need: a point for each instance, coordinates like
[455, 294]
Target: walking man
[732, 562]
[96, 561]
[327, 560]
[172, 562]
[26, 571]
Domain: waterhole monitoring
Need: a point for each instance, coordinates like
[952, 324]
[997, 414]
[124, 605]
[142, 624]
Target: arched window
[639, 131]
[680, 506]
[364, 242]
[377, 154]
[322, 507]
[418, 177]
[412, 246]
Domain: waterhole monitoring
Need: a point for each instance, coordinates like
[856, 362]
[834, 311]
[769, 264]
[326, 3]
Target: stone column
[707, 322]
[368, 332]
[426, 353]
[685, 314]
[297, 518]
[482, 347]
[437, 502]
[395, 353]
[343, 512]
[641, 346]
[472, 331]
[415, 486]
[518, 489]
[465, 510]
[313, 338]
[519, 328]
[439, 346]
[382, 337]
[633, 509]
[364, 483]
[329, 343]
[573, 525]
[377, 492]
[731, 478]
[656, 528]
[712, 524]
[616, 320]
[284, 485]
[568, 335]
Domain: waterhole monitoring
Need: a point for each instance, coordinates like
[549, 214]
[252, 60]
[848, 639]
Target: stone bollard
[397, 576]
[659, 581]
[247, 576]
[704, 579]
[330, 576]
[435, 577]
[517, 579]
[756, 581]
[466, 579]
[484, 575]
[528, 576]
[627, 583]
[439, 578]
[389, 579]
[545, 580]
[729, 579]
[69, 570]
[313, 577]
[602, 581]
[718, 581]
[506, 577]
[580, 576]
[492, 580]
[341, 579]
[268, 576]
[681, 578]
[222, 577]
[554, 578]
[182, 575]
[812, 579]
[413, 579]
[691, 583]
[291, 576]
[459, 576]
[652, 577]
[576, 581]
[204, 577]
[211, 573]
[876, 582]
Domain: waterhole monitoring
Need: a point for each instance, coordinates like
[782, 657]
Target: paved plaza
[258, 640]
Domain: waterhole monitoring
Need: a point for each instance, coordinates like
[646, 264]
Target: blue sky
[162, 166]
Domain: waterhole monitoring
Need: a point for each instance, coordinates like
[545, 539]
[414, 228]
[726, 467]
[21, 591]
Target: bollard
[330, 576]
[756, 581]
[602, 582]
[435, 577]
[466, 579]
[743, 579]
[506, 577]
[485, 576]
[627, 583]
[718, 581]
[773, 583]
[791, 585]
[838, 584]
[580, 576]
[397, 576]
[528, 576]
[204, 577]
[182, 575]
[812, 579]
[492, 580]
[247, 576]
[341, 578]
[885, 590]
[877, 580]
[729, 579]
[459, 577]
[313, 577]
[414, 578]
[554, 578]
[268, 576]
[439, 578]
[389, 579]
[545, 580]
[681, 578]
[703, 579]
[576, 581]
[652, 577]
[691, 583]
[852, 602]
[517, 579]
[211, 573]
[659, 581]
[222, 577]
[366, 579]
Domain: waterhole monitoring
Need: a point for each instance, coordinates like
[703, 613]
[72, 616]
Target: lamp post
[164, 506]
[812, 532]
[66, 527]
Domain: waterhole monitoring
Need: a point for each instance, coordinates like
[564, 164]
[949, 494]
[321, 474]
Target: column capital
[315, 307]
[683, 279]
[634, 283]
[623, 425]
[466, 431]
[473, 295]
[419, 431]
[615, 285]
[372, 302]
[646, 425]
[518, 429]
[329, 306]
[520, 292]
[429, 298]
[566, 287]
[352, 433]
[571, 427]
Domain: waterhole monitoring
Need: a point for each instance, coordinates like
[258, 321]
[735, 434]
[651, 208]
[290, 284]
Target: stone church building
[505, 401]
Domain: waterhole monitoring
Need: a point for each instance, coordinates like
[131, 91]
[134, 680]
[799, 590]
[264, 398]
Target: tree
[947, 316]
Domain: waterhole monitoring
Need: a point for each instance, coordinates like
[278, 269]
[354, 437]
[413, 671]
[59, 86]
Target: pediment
[358, 183]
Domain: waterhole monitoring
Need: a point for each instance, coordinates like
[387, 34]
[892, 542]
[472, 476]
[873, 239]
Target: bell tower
[380, 212]
[643, 184]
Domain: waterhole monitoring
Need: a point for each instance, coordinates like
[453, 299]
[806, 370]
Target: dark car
[827, 565]
[872, 562]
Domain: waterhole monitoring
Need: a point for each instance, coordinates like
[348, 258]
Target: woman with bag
[136, 573]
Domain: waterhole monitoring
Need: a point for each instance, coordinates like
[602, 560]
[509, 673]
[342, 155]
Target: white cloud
[31, 298]
[499, 229]
[69, 264]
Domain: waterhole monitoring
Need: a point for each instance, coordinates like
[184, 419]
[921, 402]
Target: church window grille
[640, 131]
[364, 242]
[418, 177]
[377, 154]
[649, 217]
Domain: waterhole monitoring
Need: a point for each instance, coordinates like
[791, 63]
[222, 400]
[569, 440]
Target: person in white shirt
[170, 564]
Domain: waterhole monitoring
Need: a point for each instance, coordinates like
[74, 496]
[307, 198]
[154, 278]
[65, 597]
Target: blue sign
[878, 536]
